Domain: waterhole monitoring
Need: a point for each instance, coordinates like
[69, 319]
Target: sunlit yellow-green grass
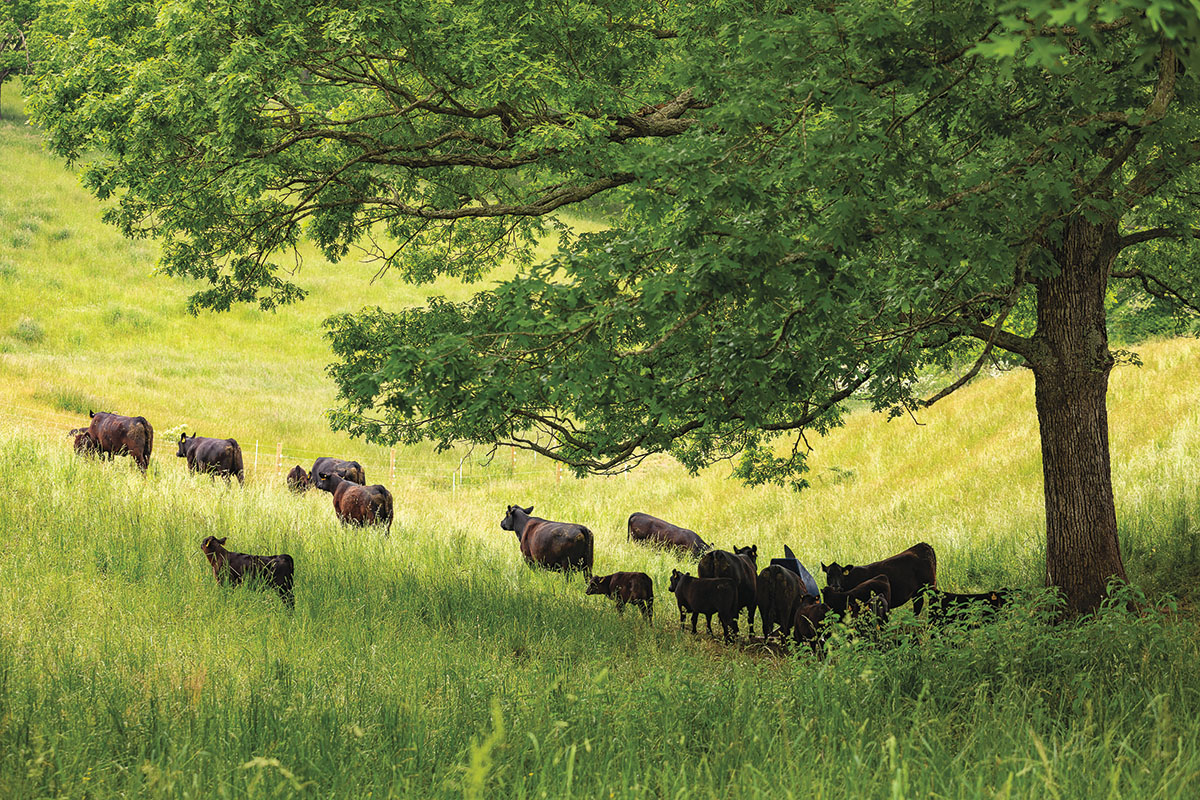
[434, 663]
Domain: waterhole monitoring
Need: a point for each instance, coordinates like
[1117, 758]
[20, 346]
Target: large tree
[806, 202]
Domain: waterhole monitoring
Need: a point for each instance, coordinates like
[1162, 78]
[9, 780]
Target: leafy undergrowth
[435, 664]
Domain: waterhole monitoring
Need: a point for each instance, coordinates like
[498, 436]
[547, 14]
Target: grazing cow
[808, 619]
[626, 587]
[740, 566]
[554, 545]
[875, 594]
[298, 480]
[115, 435]
[945, 606]
[276, 571]
[214, 456]
[707, 596]
[85, 445]
[789, 561]
[909, 572]
[645, 528]
[356, 504]
[778, 589]
[346, 470]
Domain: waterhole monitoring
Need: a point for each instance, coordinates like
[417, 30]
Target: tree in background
[807, 202]
[16, 21]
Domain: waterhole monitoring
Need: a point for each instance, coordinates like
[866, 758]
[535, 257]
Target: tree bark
[1071, 367]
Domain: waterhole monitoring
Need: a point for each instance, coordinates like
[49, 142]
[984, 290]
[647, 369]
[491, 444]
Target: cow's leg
[620, 605]
[708, 622]
[750, 612]
[682, 621]
[919, 600]
[695, 618]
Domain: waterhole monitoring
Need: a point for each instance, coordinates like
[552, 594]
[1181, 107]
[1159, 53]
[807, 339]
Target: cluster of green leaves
[815, 200]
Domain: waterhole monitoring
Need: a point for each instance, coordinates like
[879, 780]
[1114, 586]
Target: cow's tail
[147, 444]
[590, 540]
[235, 463]
[387, 510]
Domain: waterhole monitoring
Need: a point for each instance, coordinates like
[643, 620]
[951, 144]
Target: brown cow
[356, 504]
[212, 456]
[808, 620]
[909, 572]
[85, 445]
[706, 596]
[347, 470]
[740, 566]
[626, 587]
[645, 528]
[875, 594]
[276, 571]
[554, 545]
[116, 435]
[298, 480]
[778, 589]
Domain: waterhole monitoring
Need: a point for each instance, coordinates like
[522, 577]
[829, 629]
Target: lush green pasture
[435, 663]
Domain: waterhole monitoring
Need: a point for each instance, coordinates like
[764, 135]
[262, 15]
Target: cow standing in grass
[115, 435]
[634, 588]
[356, 504]
[213, 456]
[652, 530]
[298, 480]
[908, 573]
[347, 470]
[740, 566]
[561, 546]
[276, 571]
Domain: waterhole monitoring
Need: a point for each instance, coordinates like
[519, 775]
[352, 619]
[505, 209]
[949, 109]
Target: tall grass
[435, 664]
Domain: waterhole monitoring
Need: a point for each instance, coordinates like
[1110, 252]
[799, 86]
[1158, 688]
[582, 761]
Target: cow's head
[598, 584]
[676, 575]
[183, 437]
[835, 575]
[511, 515]
[750, 552]
[84, 442]
[212, 544]
[327, 481]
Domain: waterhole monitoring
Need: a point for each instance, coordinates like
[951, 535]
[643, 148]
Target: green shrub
[28, 330]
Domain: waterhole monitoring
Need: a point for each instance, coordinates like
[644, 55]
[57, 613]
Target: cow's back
[557, 545]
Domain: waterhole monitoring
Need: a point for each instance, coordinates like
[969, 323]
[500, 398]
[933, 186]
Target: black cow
[626, 587]
[554, 545]
[875, 594]
[298, 480]
[276, 571]
[346, 470]
[706, 596]
[909, 572]
[944, 606]
[740, 566]
[214, 456]
[356, 504]
[645, 528]
[115, 435]
[778, 590]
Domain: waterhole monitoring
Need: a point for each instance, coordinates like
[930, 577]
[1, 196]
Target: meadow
[434, 663]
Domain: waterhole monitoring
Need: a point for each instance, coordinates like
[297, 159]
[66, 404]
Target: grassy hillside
[435, 664]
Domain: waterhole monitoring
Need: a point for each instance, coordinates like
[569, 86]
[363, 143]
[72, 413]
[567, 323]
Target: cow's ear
[221, 541]
[847, 568]
[824, 567]
[529, 510]
[91, 413]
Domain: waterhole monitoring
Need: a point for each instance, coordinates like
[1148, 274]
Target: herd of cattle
[784, 594]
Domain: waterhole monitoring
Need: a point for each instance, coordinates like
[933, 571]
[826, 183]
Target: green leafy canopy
[808, 201]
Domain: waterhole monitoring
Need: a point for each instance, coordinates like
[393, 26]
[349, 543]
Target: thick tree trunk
[1071, 369]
